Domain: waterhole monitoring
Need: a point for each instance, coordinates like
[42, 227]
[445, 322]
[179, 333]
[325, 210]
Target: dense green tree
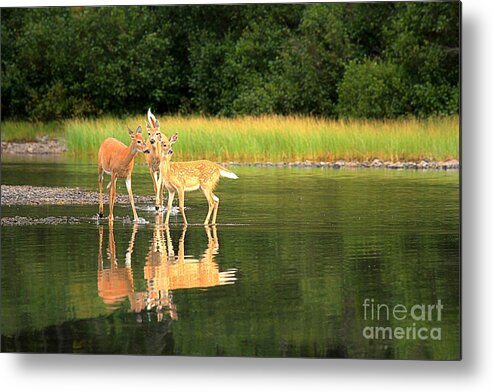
[423, 39]
[372, 89]
[358, 60]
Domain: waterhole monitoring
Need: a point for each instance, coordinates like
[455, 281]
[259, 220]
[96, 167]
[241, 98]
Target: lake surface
[303, 263]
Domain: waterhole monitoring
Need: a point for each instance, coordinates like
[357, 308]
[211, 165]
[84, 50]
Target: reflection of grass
[277, 139]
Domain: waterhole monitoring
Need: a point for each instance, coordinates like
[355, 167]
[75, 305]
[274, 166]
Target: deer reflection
[164, 271]
[116, 283]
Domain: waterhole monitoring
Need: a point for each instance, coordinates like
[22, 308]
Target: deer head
[166, 150]
[153, 128]
[138, 143]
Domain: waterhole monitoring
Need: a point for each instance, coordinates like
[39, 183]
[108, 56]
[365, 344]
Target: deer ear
[148, 126]
[138, 130]
[156, 124]
[173, 138]
[130, 132]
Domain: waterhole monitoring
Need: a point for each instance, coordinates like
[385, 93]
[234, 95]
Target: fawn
[182, 177]
[154, 146]
[116, 159]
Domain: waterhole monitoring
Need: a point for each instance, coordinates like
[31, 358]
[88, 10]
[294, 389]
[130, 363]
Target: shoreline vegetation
[261, 141]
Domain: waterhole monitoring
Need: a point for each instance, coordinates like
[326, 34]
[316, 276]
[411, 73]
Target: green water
[295, 254]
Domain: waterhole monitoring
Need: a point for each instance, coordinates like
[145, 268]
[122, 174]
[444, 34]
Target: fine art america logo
[406, 321]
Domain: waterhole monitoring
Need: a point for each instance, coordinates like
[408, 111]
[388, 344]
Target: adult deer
[117, 159]
[153, 144]
[182, 177]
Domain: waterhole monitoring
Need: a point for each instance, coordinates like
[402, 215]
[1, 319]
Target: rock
[396, 165]
[376, 163]
[453, 164]
[29, 195]
[42, 146]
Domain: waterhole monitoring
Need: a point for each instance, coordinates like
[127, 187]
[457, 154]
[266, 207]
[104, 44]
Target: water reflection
[116, 283]
[164, 271]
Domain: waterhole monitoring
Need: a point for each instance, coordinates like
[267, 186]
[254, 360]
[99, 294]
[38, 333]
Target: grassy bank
[24, 131]
[279, 139]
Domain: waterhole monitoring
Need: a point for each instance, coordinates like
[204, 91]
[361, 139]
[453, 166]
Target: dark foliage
[351, 60]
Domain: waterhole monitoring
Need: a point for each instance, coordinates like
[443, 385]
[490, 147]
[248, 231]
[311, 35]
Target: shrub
[371, 89]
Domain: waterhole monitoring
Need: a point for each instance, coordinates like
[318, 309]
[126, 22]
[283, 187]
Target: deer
[117, 160]
[153, 144]
[181, 177]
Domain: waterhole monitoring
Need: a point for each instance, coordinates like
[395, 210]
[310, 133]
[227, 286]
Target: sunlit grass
[25, 131]
[281, 139]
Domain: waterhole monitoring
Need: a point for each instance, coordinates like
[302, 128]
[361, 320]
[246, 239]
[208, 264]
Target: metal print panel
[266, 180]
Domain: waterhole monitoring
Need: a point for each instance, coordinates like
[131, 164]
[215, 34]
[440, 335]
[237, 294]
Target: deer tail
[227, 173]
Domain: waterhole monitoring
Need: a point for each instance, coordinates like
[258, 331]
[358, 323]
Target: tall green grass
[280, 138]
[24, 131]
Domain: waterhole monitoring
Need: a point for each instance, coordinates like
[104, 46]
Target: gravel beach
[38, 195]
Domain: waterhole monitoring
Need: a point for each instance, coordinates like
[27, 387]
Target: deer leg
[214, 238]
[210, 202]
[216, 206]
[159, 194]
[154, 179]
[100, 254]
[169, 243]
[100, 180]
[112, 195]
[171, 196]
[130, 249]
[181, 201]
[158, 190]
[161, 190]
[128, 183]
[112, 245]
[181, 245]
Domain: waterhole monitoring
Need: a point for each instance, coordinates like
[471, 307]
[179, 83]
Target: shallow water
[296, 255]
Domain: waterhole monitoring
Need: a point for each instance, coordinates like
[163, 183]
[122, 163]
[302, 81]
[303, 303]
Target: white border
[90, 372]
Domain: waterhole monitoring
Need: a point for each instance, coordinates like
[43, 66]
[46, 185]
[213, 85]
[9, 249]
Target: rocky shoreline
[29, 221]
[39, 195]
[25, 195]
[452, 164]
[44, 146]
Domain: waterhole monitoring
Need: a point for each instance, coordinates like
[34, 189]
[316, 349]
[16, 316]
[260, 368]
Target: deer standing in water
[154, 145]
[183, 177]
[116, 159]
